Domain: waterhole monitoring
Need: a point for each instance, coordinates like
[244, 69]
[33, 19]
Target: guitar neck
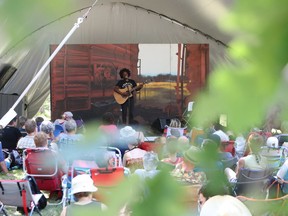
[133, 89]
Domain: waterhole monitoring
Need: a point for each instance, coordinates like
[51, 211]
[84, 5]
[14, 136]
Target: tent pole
[39, 73]
[11, 113]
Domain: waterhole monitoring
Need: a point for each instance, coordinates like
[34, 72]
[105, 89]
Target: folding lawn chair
[172, 131]
[252, 182]
[108, 173]
[104, 157]
[18, 193]
[275, 206]
[42, 164]
[106, 179]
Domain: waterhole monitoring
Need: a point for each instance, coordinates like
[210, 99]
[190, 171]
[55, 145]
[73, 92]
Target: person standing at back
[123, 88]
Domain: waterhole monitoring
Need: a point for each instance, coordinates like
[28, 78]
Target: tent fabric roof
[110, 22]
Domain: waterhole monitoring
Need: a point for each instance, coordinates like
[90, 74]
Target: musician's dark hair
[121, 72]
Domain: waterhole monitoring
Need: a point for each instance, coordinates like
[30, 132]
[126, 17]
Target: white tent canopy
[109, 22]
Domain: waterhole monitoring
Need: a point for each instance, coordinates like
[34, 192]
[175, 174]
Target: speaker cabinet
[160, 123]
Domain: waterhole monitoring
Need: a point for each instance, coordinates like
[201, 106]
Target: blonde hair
[40, 139]
[176, 123]
[255, 142]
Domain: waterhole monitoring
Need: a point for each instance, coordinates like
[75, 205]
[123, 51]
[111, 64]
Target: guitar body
[122, 99]
[119, 98]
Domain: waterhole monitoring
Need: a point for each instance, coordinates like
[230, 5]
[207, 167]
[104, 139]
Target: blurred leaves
[158, 196]
[244, 90]
[249, 88]
[18, 18]
[162, 197]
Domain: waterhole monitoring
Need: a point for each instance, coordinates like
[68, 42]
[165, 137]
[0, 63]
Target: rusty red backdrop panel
[82, 79]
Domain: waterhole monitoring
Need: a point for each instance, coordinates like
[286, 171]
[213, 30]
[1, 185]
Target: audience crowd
[212, 158]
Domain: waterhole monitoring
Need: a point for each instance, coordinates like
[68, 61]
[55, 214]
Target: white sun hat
[127, 131]
[82, 183]
[272, 142]
[224, 205]
[129, 135]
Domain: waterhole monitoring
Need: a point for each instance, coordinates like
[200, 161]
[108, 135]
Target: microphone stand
[128, 109]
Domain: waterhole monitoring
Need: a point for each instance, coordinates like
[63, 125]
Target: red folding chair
[106, 179]
[42, 164]
[229, 147]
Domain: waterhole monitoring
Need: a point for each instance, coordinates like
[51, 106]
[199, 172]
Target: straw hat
[192, 154]
[82, 183]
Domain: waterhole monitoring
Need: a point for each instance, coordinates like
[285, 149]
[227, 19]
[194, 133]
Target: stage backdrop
[82, 78]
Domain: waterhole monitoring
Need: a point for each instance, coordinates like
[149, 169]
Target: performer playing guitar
[125, 88]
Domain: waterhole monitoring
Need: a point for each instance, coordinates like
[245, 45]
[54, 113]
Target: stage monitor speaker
[160, 123]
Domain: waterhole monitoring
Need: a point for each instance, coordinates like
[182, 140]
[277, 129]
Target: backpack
[35, 190]
[16, 159]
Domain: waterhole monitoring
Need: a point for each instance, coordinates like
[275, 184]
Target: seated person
[82, 189]
[109, 129]
[283, 137]
[21, 122]
[183, 144]
[240, 146]
[121, 143]
[282, 175]
[4, 163]
[48, 128]
[210, 189]
[185, 172]
[175, 123]
[10, 136]
[275, 154]
[160, 146]
[41, 142]
[150, 163]
[110, 159]
[223, 136]
[172, 150]
[174, 129]
[253, 161]
[222, 154]
[65, 140]
[133, 158]
[66, 116]
[38, 121]
[69, 143]
[28, 140]
[210, 161]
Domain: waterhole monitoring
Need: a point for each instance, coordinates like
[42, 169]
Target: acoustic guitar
[122, 99]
